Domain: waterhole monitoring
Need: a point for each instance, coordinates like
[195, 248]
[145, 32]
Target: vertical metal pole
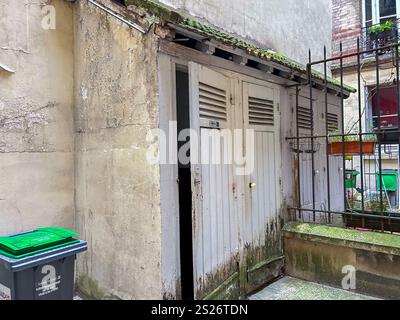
[379, 135]
[298, 153]
[343, 129]
[360, 129]
[312, 135]
[369, 173]
[327, 139]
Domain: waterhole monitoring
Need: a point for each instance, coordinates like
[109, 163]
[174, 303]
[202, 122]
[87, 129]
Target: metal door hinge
[232, 100]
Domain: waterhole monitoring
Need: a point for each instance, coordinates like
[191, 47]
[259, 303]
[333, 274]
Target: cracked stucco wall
[36, 118]
[117, 190]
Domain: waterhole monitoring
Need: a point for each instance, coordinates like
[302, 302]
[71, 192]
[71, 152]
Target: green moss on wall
[90, 287]
[156, 9]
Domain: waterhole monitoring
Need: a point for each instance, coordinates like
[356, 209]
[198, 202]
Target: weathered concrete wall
[117, 190]
[36, 123]
[326, 254]
[290, 27]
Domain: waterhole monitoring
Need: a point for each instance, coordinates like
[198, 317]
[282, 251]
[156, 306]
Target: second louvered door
[263, 185]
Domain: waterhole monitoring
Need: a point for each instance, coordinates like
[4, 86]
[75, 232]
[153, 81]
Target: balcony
[379, 36]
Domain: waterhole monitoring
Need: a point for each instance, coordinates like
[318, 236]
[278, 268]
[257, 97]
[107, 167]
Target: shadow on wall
[9, 209]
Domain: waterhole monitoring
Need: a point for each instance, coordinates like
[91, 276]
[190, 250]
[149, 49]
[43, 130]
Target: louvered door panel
[213, 102]
[304, 115]
[261, 111]
[333, 122]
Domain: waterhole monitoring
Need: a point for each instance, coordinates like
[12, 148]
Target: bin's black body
[47, 275]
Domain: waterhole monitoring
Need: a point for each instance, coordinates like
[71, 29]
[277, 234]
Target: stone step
[289, 288]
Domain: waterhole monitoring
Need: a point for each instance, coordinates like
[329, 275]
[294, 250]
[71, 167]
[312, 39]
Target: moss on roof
[157, 9]
[163, 12]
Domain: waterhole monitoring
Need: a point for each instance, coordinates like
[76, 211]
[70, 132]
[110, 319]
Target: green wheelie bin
[39, 264]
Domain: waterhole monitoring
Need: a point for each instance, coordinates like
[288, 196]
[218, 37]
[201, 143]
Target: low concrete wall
[319, 253]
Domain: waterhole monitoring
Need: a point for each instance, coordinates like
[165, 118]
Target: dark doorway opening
[185, 190]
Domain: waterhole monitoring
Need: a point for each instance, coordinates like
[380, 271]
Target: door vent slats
[261, 112]
[333, 122]
[304, 117]
[212, 103]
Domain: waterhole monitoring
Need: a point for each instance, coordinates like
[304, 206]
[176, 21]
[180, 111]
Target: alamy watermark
[349, 280]
[49, 17]
[205, 147]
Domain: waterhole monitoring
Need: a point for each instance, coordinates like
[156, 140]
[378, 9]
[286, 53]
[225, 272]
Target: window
[388, 102]
[379, 11]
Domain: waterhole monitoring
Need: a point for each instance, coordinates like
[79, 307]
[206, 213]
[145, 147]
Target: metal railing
[372, 208]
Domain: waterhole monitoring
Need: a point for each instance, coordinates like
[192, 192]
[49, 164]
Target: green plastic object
[389, 178]
[351, 178]
[39, 240]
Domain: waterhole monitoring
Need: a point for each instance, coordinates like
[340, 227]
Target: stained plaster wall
[36, 118]
[80, 162]
[117, 189]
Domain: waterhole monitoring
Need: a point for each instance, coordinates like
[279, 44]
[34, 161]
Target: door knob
[252, 185]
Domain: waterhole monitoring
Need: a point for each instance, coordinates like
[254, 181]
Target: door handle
[252, 185]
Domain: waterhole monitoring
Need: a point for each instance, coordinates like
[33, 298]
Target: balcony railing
[380, 35]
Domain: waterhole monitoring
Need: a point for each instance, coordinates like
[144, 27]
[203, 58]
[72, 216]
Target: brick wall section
[346, 26]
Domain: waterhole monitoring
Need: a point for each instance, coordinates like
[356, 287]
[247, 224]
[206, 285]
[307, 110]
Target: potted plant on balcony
[382, 34]
[351, 144]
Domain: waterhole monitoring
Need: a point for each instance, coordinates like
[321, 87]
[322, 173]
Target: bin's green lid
[388, 172]
[38, 240]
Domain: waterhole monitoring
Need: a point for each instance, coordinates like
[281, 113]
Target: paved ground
[289, 288]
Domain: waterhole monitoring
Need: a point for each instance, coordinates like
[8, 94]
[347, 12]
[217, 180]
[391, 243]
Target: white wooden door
[215, 227]
[232, 212]
[261, 114]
